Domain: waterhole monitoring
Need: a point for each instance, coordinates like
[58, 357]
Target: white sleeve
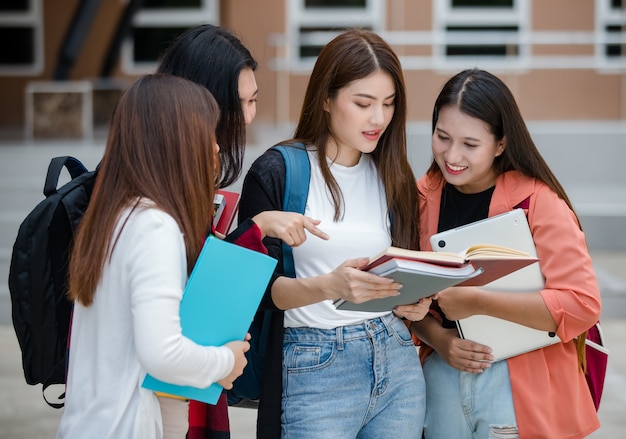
[156, 264]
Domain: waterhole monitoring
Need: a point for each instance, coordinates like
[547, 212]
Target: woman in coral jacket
[485, 163]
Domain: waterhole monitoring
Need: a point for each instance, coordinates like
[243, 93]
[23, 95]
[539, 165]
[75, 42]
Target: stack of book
[423, 273]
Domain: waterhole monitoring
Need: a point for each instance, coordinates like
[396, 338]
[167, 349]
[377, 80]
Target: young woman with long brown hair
[343, 373]
[149, 214]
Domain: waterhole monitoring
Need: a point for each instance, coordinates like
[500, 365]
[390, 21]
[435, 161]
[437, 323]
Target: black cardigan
[263, 190]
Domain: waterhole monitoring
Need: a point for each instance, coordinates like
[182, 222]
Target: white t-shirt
[362, 232]
[133, 328]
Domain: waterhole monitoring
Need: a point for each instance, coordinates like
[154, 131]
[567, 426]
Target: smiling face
[359, 114]
[464, 149]
[248, 91]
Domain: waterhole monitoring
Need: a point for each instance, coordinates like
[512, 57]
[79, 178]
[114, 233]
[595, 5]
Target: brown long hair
[484, 96]
[353, 55]
[160, 147]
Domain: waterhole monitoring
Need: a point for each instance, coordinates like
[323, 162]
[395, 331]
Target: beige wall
[562, 14]
[254, 22]
[541, 94]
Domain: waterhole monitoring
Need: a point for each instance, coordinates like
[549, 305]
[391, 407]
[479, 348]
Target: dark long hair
[484, 96]
[160, 147]
[481, 95]
[214, 57]
[353, 55]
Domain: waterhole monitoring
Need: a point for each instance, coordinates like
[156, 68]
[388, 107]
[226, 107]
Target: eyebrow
[365, 95]
[437, 129]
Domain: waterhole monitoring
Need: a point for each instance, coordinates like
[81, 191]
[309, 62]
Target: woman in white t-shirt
[345, 374]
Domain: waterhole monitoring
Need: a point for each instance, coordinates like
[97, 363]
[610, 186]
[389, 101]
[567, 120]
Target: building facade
[565, 60]
[63, 64]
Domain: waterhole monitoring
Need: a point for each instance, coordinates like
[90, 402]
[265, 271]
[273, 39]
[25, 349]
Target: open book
[475, 252]
[423, 273]
[496, 261]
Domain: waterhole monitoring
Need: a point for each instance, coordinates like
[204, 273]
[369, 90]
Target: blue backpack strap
[297, 177]
[247, 388]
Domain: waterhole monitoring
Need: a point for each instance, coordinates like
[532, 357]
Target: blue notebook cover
[219, 302]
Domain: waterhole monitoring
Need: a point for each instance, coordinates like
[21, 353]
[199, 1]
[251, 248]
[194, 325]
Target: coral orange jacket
[550, 394]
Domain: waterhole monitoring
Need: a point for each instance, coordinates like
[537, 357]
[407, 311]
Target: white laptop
[509, 229]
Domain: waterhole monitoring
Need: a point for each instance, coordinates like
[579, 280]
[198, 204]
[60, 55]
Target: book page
[219, 203]
[493, 251]
[473, 253]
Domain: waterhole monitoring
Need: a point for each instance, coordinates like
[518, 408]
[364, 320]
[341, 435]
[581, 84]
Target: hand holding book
[218, 306]
[423, 273]
[505, 338]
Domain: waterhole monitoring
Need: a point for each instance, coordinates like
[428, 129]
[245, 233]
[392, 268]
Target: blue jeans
[359, 381]
[465, 405]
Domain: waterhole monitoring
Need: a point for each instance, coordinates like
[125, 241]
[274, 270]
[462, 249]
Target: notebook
[219, 302]
[418, 279]
[509, 229]
[226, 205]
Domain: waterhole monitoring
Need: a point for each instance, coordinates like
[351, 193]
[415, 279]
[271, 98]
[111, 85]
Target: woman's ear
[327, 105]
[501, 147]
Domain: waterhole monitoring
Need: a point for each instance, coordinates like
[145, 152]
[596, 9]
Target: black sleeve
[262, 190]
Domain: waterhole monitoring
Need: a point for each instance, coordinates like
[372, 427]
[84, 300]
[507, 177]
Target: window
[481, 28]
[21, 25]
[15, 6]
[614, 49]
[171, 4]
[482, 49]
[312, 23]
[157, 24]
[335, 3]
[612, 24]
[482, 4]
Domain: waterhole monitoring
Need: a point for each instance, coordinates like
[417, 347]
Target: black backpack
[38, 274]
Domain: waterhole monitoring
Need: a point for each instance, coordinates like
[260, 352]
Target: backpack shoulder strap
[247, 388]
[73, 165]
[297, 177]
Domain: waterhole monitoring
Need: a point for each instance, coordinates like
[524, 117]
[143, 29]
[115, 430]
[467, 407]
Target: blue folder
[219, 302]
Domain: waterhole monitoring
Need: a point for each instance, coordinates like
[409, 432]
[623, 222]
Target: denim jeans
[359, 381]
[465, 405]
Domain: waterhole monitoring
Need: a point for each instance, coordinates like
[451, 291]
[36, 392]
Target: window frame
[165, 18]
[33, 18]
[608, 16]
[445, 16]
[299, 16]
